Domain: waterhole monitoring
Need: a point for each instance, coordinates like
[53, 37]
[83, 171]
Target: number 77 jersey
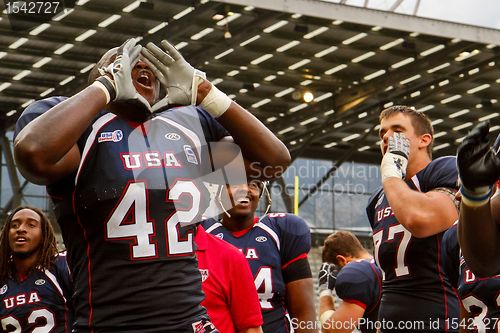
[414, 286]
[270, 245]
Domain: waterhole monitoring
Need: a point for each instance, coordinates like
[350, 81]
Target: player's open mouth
[145, 79]
[21, 240]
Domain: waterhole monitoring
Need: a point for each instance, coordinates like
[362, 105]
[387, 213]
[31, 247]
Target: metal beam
[372, 17]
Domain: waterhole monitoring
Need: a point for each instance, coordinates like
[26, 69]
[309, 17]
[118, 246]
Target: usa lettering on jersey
[21, 299]
[136, 161]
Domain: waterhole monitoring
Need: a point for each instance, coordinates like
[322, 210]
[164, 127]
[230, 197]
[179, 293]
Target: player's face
[245, 197]
[398, 123]
[145, 81]
[25, 233]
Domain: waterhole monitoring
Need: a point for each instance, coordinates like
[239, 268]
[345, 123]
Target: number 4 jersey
[270, 245]
[415, 290]
[125, 219]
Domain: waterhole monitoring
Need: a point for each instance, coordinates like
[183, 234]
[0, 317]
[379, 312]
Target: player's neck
[416, 165]
[238, 222]
[24, 266]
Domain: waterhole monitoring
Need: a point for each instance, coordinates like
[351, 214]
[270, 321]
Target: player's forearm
[419, 213]
[479, 239]
[48, 138]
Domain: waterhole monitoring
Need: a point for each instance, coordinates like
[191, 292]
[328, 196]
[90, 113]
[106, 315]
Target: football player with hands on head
[479, 224]
[276, 247]
[35, 281]
[123, 170]
[358, 284]
[409, 215]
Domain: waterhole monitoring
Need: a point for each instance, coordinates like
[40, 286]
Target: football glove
[478, 166]
[395, 160]
[181, 80]
[327, 277]
[116, 80]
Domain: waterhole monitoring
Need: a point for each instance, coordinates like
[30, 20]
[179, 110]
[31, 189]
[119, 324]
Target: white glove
[181, 80]
[116, 80]
[395, 160]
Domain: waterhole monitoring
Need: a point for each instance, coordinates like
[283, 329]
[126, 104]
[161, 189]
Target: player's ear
[342, 261]
[425, 140]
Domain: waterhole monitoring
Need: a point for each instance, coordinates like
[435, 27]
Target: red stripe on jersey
[357, 302]
[438, 239]
[300, 256]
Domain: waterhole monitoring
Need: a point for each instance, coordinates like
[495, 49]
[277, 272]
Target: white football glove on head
[395, 160]
[181, 80]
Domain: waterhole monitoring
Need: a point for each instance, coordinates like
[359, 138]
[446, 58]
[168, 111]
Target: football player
[479, 226]
[126, 183]
[409, 216]
[358, 284]
[34, 278]
[276, 247]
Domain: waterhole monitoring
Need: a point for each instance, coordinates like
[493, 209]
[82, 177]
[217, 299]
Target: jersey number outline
[32, 318]
[141, 230]
[263, 280]
[401, 268]
[478, 321]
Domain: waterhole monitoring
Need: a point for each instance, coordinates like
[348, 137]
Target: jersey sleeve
[450, 256]
[212, 129]
[244, 301]
[441, 172]
[295, 238]
[34, 110]
[356, 286]
[372, 203]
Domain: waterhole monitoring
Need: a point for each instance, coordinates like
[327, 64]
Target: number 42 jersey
[270, 245]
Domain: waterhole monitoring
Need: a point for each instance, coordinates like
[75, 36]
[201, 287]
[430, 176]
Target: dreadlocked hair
[48, 247]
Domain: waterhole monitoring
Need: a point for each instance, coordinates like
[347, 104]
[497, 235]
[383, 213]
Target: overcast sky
[484, 13]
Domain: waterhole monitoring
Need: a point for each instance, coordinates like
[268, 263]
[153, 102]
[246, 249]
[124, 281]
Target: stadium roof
[265, 54]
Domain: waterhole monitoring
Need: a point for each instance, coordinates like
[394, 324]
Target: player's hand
[178, 77]
[117, 79]
[395, 160]
[327, 276]
[478, 164]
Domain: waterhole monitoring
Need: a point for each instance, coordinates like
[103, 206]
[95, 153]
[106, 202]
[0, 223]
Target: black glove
[478, 164]
[327, 276]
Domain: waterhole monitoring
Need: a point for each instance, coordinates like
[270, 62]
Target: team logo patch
[190, 155]
[172, 136]
[198, 327]
[4, 289]
[40, 282]
[261, 239]
[220, 235]
[114, 136]
[204, 274]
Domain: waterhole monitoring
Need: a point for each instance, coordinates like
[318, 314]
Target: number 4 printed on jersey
[141, 230]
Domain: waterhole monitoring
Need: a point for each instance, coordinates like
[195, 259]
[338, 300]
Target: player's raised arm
[187, 85]
[45, 148]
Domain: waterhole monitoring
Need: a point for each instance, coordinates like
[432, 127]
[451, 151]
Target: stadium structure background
[266, 55]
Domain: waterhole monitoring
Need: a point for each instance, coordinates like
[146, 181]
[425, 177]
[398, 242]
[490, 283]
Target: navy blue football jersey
[414, 286]
[274, 241]
[360, 282]
[480, 297]
[126, 216]
[39, 303]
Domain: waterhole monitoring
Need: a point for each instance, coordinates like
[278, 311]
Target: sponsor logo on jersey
[115, 136]
[172, 136]
[198, 327]
[4, 289]
[261, 239]
[190, 155]
[204, 274]
[220, 235]
[40, 282]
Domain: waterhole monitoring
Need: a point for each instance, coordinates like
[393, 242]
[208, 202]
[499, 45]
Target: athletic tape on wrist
[216, 102]
[325, 316]
[107, 87]
[473, 199]
[326, 292]
[388, 167]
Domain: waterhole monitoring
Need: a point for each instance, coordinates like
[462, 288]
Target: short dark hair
[342, 243]
[48, 246]
[421, 123]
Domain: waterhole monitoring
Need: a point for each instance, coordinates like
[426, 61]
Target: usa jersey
[414, 286]
[480, 297]
[360, 283]
[126, 214]
[274, 241]
[39, 303]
